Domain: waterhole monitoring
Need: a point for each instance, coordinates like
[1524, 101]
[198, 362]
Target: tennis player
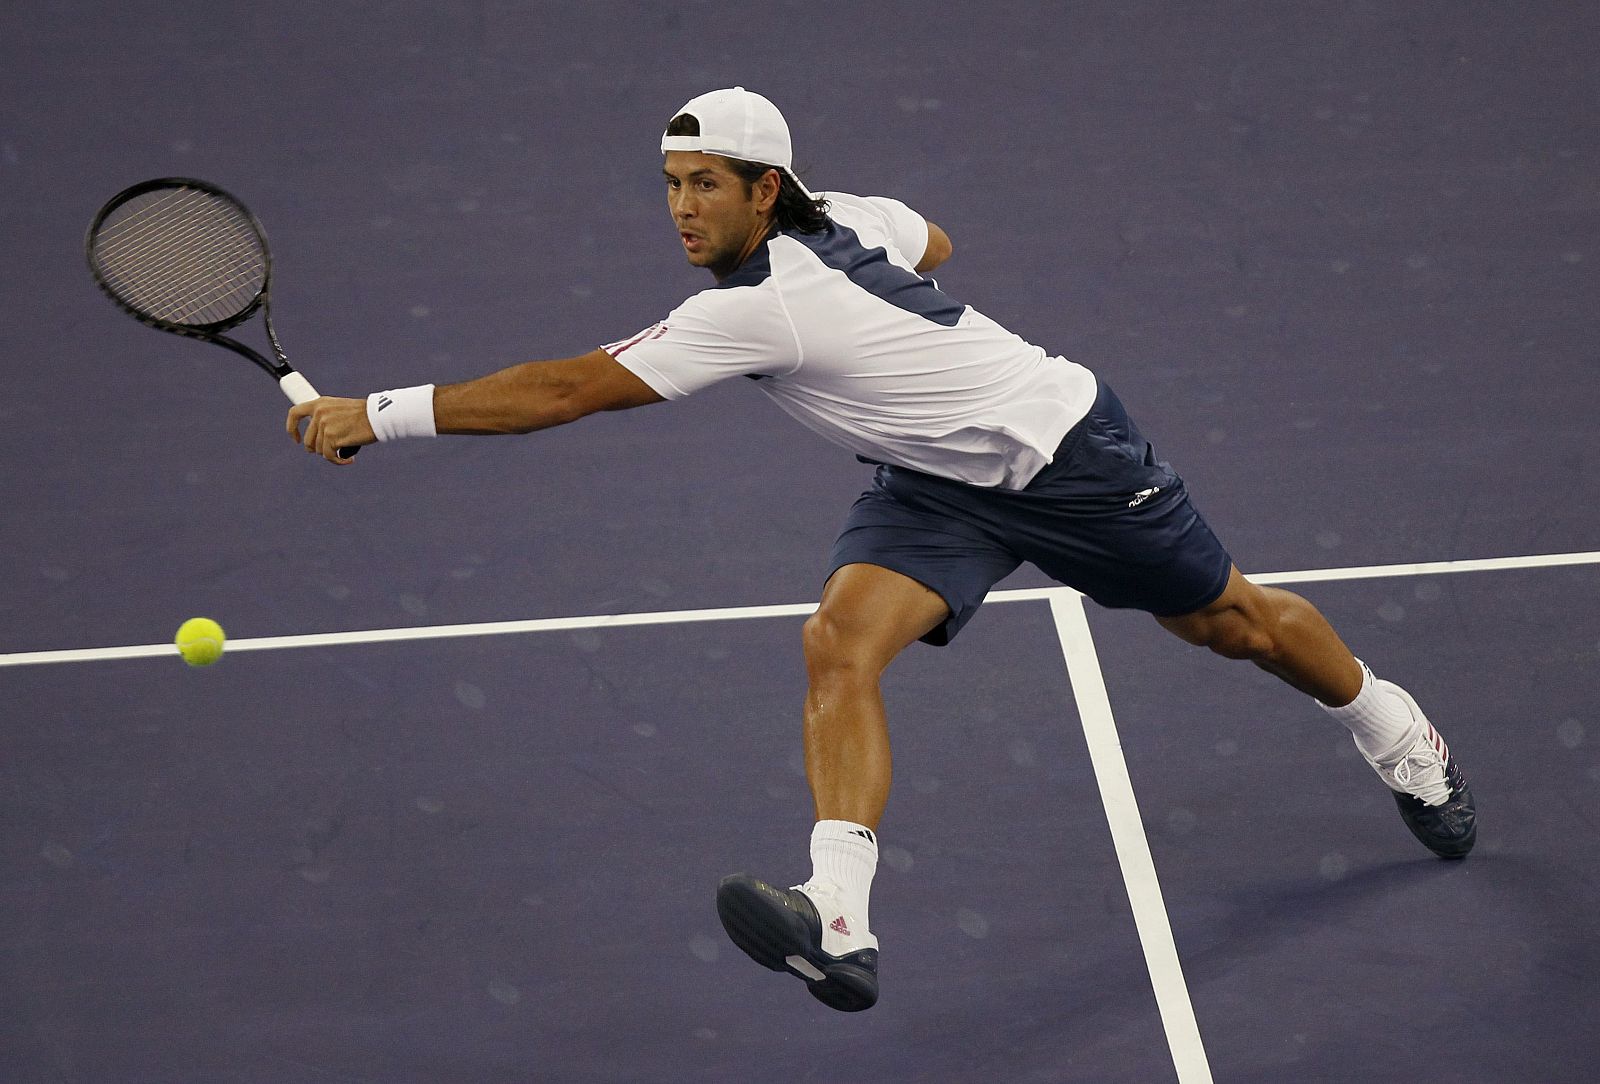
[989, 451]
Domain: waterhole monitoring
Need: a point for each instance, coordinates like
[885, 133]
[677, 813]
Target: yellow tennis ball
[200, 641]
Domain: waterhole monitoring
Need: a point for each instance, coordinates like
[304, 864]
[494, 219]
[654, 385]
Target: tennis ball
[200, 641]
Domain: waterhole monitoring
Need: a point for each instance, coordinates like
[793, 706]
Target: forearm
[538, 395]
[520, 399]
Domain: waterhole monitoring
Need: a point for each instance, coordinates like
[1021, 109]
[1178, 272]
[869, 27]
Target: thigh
[877, 611]
[932, 546]
[1237, 611]
[1112, 520]
[1162, 559]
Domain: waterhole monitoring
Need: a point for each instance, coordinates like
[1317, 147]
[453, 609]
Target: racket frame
[294, 385]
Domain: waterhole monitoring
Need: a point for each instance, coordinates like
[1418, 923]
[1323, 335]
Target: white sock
[1381, 721]
[844, 856]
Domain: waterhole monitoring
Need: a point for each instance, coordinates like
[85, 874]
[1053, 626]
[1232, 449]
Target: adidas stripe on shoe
[801, 931]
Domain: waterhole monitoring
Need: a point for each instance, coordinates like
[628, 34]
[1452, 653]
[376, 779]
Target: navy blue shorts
[1105, 518]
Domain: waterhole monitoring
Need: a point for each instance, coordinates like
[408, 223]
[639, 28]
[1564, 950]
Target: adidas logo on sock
[864, 833]
[839, 926]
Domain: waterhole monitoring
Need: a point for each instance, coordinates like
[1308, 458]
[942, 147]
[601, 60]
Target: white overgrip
[298, 389]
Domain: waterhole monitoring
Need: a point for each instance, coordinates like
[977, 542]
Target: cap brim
[705, 146]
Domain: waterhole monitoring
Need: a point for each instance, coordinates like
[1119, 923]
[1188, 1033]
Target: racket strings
[185, 256]
[188, 275]
[187, 259]
[184, 253]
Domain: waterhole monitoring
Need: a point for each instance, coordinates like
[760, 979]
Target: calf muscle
[1280, 632]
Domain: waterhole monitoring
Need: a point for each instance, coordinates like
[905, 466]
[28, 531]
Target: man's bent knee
[1239, 625]
[827, 644]
[868, 616]
[1237, 637]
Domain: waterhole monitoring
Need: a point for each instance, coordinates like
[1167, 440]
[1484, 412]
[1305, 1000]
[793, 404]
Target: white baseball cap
[741, 124]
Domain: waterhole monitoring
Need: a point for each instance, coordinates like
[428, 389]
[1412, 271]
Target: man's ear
[767, 190]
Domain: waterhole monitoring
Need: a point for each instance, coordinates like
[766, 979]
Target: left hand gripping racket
[184, 256]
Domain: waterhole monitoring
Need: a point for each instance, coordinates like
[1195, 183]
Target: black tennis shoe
[783, 929]
[1430, 788]
[1448, 830]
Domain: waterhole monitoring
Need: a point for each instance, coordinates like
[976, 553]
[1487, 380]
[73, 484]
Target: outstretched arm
[538, 395]
[521, 399]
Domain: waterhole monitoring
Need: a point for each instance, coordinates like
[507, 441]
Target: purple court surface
[1340, 259]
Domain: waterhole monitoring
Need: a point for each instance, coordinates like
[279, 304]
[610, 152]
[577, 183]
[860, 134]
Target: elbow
[578, 387]
[938, 251]
[566, 396]
[932, 263]
[563, 408]
[520, 414]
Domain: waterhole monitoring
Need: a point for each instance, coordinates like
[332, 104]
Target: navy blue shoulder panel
[838, 247]
[756, 269]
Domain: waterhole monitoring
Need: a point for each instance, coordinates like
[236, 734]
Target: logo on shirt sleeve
[654, 331]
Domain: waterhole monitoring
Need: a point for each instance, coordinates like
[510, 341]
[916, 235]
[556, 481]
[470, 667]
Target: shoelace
[1421, 772]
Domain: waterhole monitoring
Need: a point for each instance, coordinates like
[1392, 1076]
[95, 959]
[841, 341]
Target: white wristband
[404, 412]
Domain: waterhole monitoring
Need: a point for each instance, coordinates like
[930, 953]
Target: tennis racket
[184, 256]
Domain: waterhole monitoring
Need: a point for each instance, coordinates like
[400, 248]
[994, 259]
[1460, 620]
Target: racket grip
[299, 390]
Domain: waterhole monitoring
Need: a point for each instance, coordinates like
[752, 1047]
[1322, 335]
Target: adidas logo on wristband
[412, 415]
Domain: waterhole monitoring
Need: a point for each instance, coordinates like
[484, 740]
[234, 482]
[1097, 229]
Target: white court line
[423, 632]
[1127, 834]
[736, 613]
[1094, 710]
[1428, 568]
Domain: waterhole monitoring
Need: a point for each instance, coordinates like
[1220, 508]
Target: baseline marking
[737, 613]
[1127, 834]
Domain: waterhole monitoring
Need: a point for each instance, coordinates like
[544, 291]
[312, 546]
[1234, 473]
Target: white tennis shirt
[842, 333]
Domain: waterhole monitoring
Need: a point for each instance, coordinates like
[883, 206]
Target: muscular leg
[821, 930]
[868, 616]
[1278, 631]
[1285, 635]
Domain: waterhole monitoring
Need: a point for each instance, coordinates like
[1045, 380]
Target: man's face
[719, 220]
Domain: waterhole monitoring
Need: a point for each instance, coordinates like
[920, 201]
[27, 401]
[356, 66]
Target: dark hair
[794, 210]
